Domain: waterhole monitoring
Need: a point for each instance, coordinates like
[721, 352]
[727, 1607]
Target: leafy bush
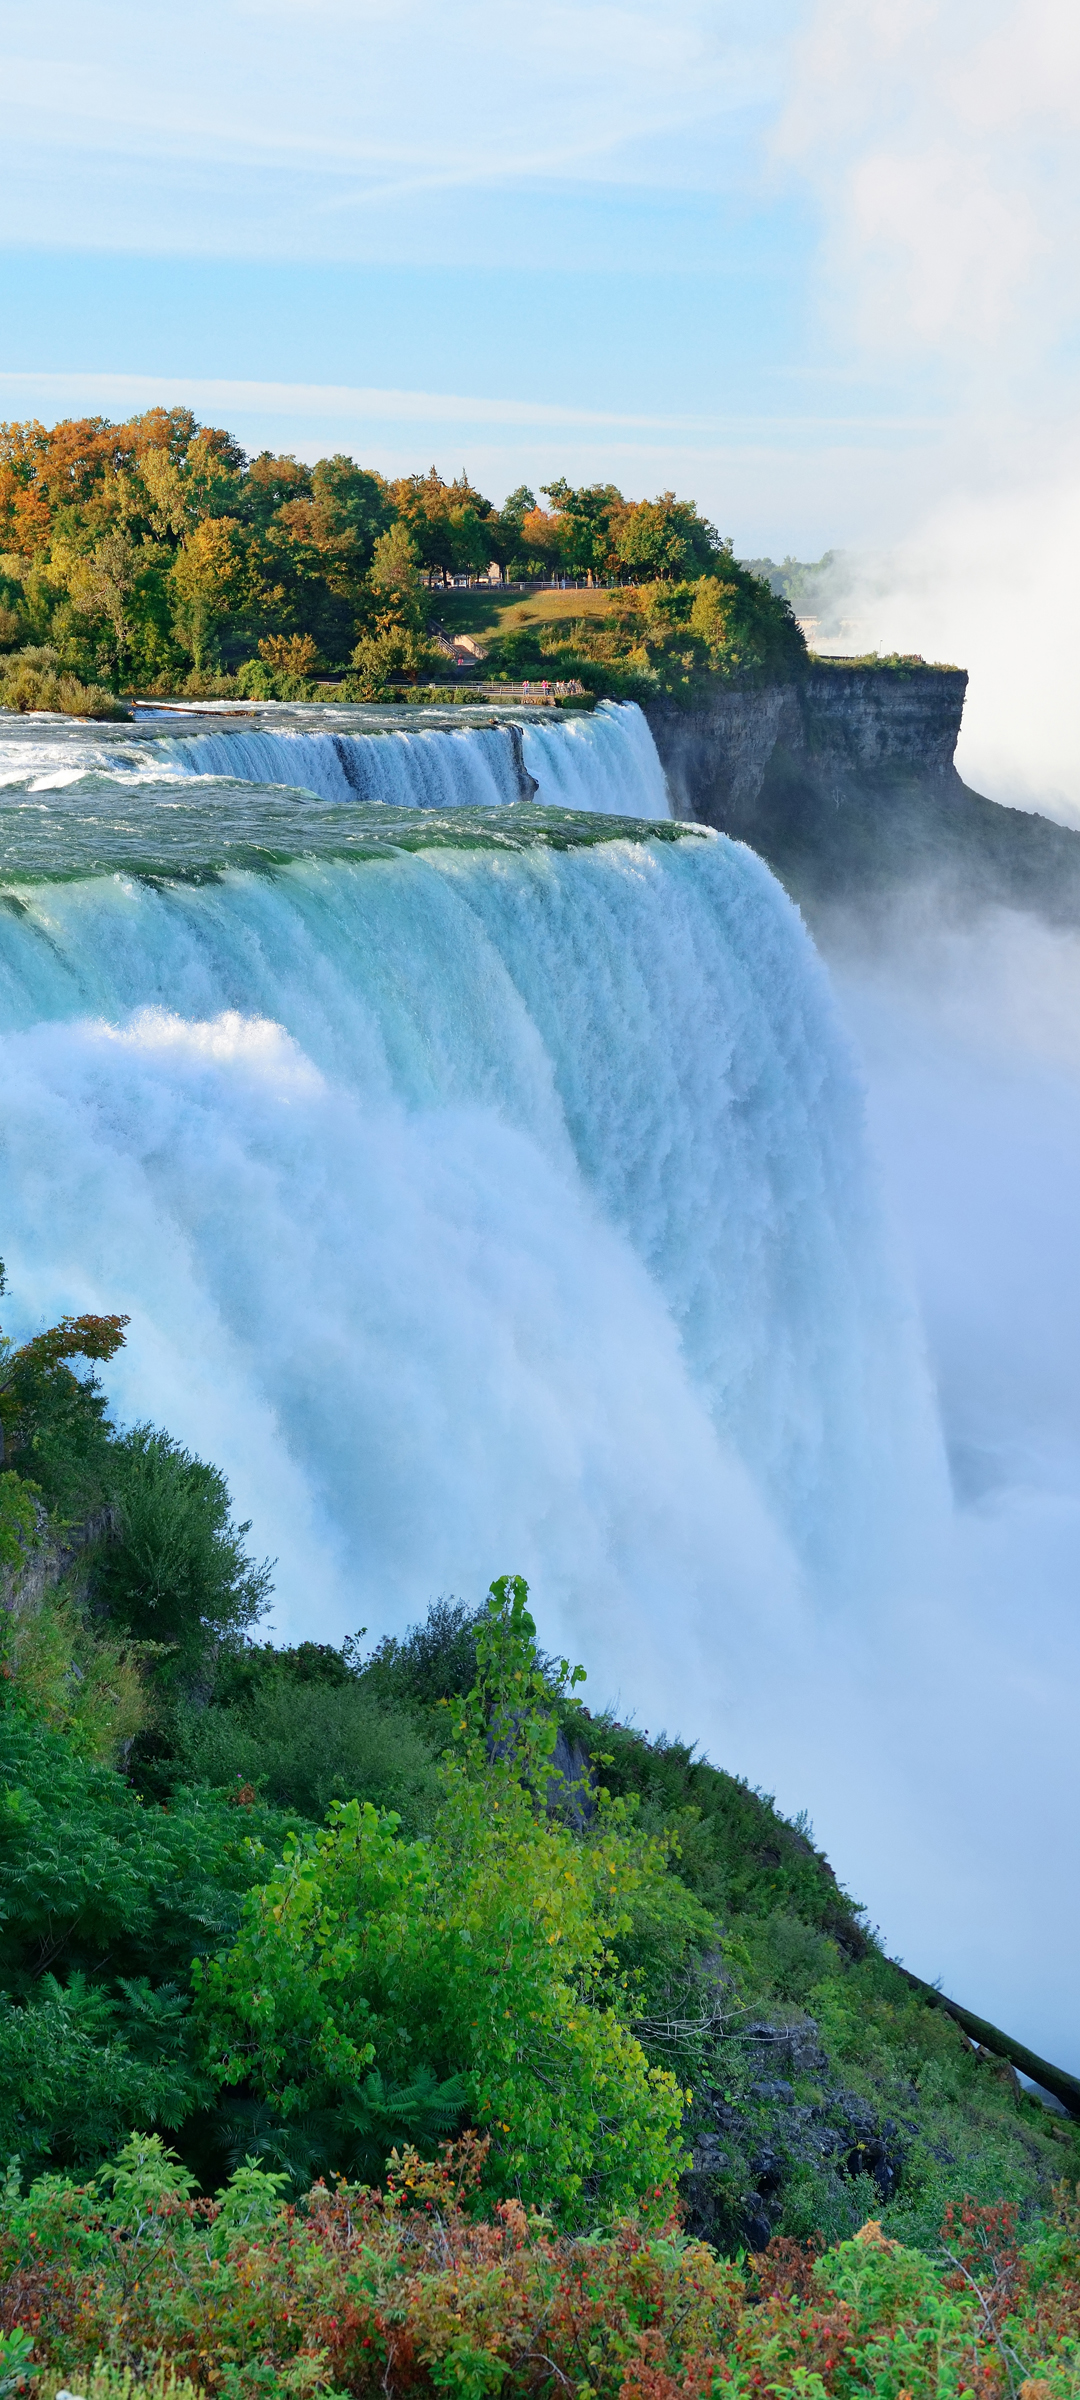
[76, 1678]
[701, 1942]
[104, 1902]
[178, 1574]
[305, 1744]
[433, 1663]
[417, 2292]
[478, 1965]
[20, 1521]
[34, 679]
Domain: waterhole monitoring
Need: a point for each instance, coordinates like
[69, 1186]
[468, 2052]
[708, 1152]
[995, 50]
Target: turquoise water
[485, 1183]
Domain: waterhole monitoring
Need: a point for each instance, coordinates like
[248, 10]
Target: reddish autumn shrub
[418, 2290]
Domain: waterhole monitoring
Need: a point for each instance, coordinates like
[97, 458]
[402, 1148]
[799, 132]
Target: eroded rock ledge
[846, 784]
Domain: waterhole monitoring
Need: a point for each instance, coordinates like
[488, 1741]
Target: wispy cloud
[523, 90]
[370, 405]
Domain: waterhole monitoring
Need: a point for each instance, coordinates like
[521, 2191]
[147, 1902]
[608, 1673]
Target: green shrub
[428, 1666]
[178, 1573]
[75, 1677]
[481, 1959]
[20, 1521]
[306, 1744]
[35, 679]
[104, 1902]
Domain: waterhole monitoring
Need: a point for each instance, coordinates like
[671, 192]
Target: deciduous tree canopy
[154, 555]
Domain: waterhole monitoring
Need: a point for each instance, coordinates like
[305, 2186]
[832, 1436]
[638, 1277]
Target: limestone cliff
[846, 784]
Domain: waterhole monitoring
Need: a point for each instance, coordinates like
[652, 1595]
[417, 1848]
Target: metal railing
[534, 692]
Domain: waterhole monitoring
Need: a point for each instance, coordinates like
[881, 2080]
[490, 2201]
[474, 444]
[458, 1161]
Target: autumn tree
[451, 523]
[214, 578]
[27, 1368]
[291, 654]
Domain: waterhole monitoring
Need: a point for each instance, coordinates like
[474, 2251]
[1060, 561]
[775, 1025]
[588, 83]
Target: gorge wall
[846, 783]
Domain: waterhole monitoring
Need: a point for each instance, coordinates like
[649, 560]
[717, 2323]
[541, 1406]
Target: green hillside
[160, 1763]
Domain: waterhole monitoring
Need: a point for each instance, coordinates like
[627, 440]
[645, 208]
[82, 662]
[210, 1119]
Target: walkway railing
[535, 692]
[532, 693]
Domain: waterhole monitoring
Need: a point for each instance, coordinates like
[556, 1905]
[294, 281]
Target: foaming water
[488, 1188]
[967, 1838]
[399, 758]
[630, 1050]
[481, 1208]
[590, 762]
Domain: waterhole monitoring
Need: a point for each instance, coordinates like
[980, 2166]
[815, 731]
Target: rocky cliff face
[23, 1589]
[846, 784]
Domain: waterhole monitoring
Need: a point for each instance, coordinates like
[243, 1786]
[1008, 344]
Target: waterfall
[475, 1207]
[430, 768]
[589, 762]
[487, 1186]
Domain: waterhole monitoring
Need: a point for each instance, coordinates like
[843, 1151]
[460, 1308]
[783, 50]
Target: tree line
[146, 554]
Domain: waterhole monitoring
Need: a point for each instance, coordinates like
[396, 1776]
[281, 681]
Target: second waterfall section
[478, 1209]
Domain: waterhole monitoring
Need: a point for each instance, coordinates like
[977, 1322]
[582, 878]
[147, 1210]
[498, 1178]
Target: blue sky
[804, 260]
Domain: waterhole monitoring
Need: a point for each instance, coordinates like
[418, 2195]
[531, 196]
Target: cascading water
[603, 763]
[430, 768]
[487, 1187]
[589, 762]
[484, 1175]
[487, 1201]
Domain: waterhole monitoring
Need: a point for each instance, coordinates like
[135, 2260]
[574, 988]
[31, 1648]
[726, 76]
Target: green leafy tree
[450, 523]
[217, 577]
[354, 505]
[394, 572]
[36, 1383]
[481, 1962]
[178, 1574]
[664, 539]
[586, 520]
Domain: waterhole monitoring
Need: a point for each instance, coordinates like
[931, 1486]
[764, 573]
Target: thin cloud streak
[331, 102]
[392, 407]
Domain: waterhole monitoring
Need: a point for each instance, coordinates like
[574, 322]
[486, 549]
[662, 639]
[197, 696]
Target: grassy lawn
[491, 611]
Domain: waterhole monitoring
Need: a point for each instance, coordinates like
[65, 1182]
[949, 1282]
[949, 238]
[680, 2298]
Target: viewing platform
[535, 692]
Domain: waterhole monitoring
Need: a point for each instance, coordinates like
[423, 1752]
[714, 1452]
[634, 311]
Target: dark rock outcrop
[760, 2133]
[846, 784]
[23, 1589]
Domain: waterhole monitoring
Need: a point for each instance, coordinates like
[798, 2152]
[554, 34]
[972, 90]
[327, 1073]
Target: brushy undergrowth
[131, 2284]
[35, 679]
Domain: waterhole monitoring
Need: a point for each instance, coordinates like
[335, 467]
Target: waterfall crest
[588, 762]
[431, 758]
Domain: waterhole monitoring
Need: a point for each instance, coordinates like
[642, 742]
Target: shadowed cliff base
[845, 784]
